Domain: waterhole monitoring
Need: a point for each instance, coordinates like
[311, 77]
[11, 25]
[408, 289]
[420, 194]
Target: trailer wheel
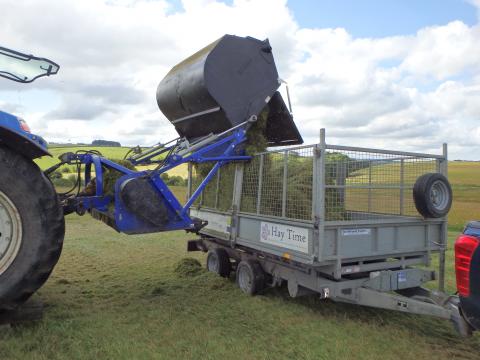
[250, 277]
[32, 228]
[218, 262]
[432, 195]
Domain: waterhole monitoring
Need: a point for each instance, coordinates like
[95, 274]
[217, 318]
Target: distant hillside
[106, 143]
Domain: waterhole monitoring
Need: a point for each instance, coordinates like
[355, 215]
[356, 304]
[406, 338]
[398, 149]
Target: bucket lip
[287, 123]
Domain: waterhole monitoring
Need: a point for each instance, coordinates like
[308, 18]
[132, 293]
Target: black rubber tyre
[432, 195]
[41, 228]
[218, 262]
[250, 277]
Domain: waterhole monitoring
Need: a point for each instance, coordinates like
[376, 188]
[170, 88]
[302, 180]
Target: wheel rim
[244, 279]
[439, 195]
[10, 232]
[212, 263]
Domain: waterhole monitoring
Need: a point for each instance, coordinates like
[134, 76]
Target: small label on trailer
[290, 237]
[356, 232]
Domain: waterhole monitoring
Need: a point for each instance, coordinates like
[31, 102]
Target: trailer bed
[340, 209]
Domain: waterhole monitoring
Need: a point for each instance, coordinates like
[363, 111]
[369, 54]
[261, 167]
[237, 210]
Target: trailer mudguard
[22, 144]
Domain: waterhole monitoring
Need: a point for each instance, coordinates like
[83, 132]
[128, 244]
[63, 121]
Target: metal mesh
[285, 182]
[226, 181]
[210, 194]
[368, 185]
[250, 185]
[218, 194]
[272, 185]
[299, 184]
[360, 184]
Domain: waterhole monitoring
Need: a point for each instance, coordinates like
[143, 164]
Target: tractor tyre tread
[40, 251]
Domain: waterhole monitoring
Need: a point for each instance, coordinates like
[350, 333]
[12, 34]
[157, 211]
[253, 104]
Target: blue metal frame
[220, 151]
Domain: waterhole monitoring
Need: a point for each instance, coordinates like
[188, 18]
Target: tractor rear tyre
[32, 228]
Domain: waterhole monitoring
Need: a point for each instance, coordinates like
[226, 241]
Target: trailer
[340, 222]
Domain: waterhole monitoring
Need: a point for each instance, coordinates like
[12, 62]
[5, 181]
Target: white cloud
[444, 51]
[406, 92]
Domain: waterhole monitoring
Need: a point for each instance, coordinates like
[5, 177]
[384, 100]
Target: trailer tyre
[218, 262]
[32, 228]
[250, 277]
[432, 195]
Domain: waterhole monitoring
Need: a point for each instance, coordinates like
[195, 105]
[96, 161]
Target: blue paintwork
[12, 123]
[221, 152]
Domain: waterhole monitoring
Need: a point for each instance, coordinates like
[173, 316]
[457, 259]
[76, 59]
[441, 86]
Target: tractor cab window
[24, 68]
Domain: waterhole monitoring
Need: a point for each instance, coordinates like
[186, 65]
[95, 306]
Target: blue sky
[377, 18]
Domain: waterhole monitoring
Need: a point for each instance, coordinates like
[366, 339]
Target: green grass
[465, 180]
[463, 176]
[56, 151]
[107, 151]
[114, 296]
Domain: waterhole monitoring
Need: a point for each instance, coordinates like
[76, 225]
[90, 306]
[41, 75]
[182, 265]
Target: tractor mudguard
[22, 144]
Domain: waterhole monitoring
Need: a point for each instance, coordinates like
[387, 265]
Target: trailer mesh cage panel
[356, 183]
[367, 184]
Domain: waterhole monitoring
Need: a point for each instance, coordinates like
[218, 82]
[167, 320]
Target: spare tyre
[432, 195]
[32, 228]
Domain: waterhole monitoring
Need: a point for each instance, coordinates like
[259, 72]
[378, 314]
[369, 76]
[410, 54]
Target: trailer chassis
[378, 289]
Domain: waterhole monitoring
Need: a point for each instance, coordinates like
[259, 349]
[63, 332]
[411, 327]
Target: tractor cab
[14, 131]
[24, 68]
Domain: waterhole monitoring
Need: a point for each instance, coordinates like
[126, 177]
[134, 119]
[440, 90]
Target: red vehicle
[467, 267]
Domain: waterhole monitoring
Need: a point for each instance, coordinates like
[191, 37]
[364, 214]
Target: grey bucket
[224, 84]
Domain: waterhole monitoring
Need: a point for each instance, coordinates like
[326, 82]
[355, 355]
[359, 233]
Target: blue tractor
[32, 223]
[213, 98]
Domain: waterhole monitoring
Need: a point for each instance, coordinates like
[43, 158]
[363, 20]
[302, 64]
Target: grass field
[114, 296]
[118, 297]
[464, 177]
[115, 153]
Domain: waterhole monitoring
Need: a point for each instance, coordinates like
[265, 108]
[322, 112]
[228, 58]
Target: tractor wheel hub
[10, 232]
